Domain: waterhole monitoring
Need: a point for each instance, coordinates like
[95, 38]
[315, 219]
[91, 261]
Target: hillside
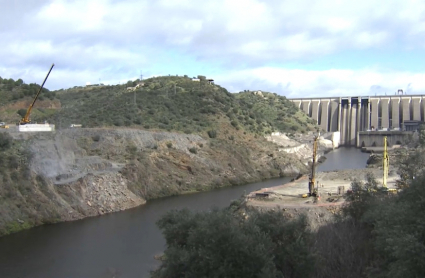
[168, 103]
[15, 95]
[180, 136]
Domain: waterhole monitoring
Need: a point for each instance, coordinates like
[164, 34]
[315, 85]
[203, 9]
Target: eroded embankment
[72, 174]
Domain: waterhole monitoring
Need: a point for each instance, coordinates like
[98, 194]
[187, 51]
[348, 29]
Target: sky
[295, 48]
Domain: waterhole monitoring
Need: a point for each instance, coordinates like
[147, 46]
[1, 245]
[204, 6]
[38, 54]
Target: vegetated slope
[171, 103]
[277, 110]
[15, 95]
[178, 104]
[73, 173]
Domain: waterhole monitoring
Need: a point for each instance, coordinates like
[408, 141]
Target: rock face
[96, 195]
[77, 173]
[302, 146]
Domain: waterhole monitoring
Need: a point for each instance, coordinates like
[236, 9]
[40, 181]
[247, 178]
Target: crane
[312, 180]
[26, 119]
[385, 163]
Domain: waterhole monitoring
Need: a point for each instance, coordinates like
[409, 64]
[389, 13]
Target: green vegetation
[277, 111]
[21, 201]
[171, 103]
[12, 91]
[376, 234]
[223, 243]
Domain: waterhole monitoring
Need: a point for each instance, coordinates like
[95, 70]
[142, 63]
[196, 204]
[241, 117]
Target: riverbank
[76, 173]
[100, 239]
[290, 195]
[319, 211]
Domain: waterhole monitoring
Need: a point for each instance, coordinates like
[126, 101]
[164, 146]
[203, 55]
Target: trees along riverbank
[375, 234]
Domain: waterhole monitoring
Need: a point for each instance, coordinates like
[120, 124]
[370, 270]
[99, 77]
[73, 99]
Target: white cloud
[333, 82]
[115, 39]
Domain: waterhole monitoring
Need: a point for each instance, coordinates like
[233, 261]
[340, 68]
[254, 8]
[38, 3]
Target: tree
[410, 165]
[22, 112]
[222, 243]
[361, 198]
[19, 82]
[399, 231]
[422, 135]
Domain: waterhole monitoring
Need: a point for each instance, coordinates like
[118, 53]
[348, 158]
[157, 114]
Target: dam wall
[351, 115]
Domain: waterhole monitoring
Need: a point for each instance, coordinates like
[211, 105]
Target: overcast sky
[296, 48]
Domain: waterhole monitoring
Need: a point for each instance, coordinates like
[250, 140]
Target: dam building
[352, 116]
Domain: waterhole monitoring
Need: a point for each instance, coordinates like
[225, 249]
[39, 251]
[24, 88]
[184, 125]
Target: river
[123, 242]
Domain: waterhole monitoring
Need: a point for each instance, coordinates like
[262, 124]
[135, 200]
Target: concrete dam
[352, 116]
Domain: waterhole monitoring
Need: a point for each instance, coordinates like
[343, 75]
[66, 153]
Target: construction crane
[26, 119]
[312, 180]
[385, 163]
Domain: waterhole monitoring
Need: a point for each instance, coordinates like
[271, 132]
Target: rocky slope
[76, 173]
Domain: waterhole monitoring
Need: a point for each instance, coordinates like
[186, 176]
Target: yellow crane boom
[26, 118]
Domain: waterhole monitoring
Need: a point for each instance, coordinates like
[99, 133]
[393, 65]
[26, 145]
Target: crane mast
[312, 181]
[26, 118]
[385, 163]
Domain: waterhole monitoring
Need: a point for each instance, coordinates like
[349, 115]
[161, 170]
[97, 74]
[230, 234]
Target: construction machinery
[26, 119]
[385, 163]
[3, 125]
[312, 191]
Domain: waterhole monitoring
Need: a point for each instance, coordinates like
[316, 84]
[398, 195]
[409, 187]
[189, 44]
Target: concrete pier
[385, 113]
[395, 112]
[374, 102]
[405, 108]
[324, 115]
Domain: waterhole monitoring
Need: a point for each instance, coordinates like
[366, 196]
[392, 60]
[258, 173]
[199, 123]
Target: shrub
[96, 138]
[118, 122]
[212, 133]
[22, 112]
[193, 150]
[169, 145]
[5, 141]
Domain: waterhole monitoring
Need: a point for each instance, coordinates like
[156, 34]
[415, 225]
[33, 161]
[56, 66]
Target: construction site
[323, 189]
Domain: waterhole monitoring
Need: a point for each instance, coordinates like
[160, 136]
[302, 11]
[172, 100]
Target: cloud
[115, 40]
[333, 82]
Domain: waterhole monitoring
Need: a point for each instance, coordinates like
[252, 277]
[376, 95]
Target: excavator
[26, 119]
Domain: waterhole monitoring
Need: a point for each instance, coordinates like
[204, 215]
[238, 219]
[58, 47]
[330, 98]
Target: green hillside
[171, 103]
[15, 90]
[16, 95]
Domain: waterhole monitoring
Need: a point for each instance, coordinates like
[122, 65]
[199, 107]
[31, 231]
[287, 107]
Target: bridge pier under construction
[351, 115]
